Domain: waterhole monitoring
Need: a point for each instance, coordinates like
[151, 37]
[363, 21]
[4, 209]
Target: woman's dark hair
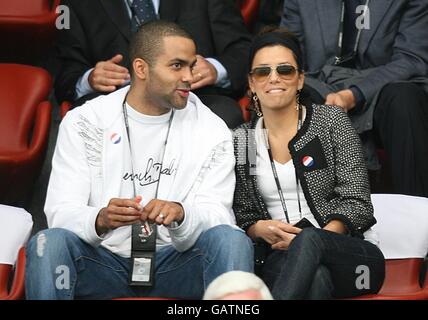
[271, 36]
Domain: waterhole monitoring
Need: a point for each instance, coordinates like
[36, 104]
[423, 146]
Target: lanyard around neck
[340, 40]
[275, 173]
[125, 117]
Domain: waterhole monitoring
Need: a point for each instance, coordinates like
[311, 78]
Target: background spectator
[378, 73]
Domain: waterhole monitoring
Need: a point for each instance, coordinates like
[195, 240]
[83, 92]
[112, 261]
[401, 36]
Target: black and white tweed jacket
[336, 186]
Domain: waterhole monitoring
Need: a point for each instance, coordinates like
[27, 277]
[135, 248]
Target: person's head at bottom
[163, 56]
[237, 285]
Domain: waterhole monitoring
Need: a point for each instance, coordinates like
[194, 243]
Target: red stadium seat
[15, 228]
[64, 108]
[249, 10]
[401, 281]
[244, 103]
[24, 127]
[403, 234]
[16, 292]
[396, 239]
[28, 29]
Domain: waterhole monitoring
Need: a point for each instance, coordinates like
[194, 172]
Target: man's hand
[344, 99]
[107, 75]
[204, 73]
[118, 213]
[162, 212]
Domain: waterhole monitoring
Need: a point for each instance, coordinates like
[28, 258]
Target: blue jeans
[62, 266]
[320, 264]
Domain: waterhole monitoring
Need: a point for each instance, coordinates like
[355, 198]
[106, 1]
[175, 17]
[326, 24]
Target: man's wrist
[83, 86]
[222, 79]
[176, 223]
[99, 227]
[360, 99]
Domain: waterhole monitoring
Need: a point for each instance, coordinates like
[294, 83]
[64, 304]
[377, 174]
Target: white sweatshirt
[92, 154]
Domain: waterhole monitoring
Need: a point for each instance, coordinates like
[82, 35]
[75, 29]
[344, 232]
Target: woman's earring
[298, 99]
[257, 105]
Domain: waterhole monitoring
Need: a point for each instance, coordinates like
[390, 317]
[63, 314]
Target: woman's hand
[277, 233]
[284, 238]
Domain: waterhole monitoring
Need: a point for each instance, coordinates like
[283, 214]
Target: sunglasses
[284, 71]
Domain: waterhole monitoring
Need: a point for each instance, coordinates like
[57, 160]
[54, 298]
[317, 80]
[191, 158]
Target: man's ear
[141, 68]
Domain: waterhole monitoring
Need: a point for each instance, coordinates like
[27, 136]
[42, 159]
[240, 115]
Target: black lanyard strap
[144, 235]
[339, 57]
[125, 116]
[275, 173]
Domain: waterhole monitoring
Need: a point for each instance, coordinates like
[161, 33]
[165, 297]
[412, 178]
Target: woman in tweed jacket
[297, 162]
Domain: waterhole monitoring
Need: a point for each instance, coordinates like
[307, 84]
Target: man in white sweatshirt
[149, 161]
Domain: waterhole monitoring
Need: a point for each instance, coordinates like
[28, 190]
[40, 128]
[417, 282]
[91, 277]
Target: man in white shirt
[149, 154]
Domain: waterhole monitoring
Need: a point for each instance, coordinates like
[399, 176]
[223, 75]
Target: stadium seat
[28, 29]
[15, 229]
[244, 104]
[24, 127]
[249, 9]
[64, 108]
[403, 234]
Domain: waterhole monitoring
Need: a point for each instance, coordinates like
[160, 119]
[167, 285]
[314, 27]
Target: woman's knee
[322, 284]
[307, 238]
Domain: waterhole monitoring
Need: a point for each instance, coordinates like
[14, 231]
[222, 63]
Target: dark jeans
[320, 264]
[62, 266]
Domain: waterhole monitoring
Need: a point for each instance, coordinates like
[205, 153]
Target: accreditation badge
[142, 269]
[143, 252]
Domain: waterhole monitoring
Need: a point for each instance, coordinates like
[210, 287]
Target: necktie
[142, 11]
[350, 29]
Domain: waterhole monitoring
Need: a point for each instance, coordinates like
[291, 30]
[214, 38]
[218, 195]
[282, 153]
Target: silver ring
[161, 216]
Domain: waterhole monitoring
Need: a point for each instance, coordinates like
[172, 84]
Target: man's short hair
[236, 282]
[147, 42]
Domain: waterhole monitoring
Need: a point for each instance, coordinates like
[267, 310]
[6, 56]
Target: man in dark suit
[377, 72]
[94, 51]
